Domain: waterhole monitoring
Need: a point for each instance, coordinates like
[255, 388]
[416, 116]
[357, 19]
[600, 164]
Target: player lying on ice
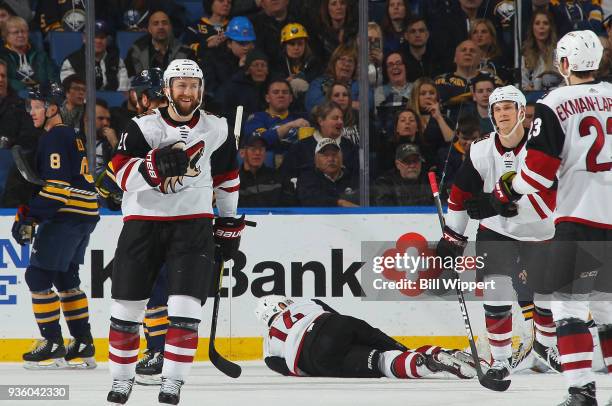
[309, 338]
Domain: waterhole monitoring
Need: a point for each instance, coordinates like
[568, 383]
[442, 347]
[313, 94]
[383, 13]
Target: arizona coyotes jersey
[487, 161]
[212, 164]
[287, 331]
[571, 138]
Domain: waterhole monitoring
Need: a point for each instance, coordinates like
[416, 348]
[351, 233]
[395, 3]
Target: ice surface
[259, 386]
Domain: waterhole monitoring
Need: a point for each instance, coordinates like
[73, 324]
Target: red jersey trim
[168, 218]
[118, 161]
[569, 219]
[223, 177]
[126, 175]
[542, 164]
[231, 189]
[457, 197]
[537, 207]
[532, 182]
[550, 198]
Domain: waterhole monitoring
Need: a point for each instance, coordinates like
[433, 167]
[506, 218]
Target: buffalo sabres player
[65, 220]
[309, 338]
[511, 244]
[168, 163]
[571, 139]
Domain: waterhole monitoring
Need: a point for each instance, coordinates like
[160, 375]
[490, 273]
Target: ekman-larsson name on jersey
[582, 104]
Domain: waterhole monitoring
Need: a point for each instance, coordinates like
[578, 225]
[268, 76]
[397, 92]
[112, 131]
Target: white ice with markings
[259, 386]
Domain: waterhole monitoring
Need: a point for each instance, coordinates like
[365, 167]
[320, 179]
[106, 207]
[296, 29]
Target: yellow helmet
[293, 31]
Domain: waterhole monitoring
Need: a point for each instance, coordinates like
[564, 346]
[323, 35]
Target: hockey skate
[120, 391]
[449, 361]
[149, 368]
[170, 391]
[80, 353]
[521, 354]
[548, 355]
[581, 396]
[500, 369]
[47, 354]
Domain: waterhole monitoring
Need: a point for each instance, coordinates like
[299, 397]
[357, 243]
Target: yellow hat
[293, 31]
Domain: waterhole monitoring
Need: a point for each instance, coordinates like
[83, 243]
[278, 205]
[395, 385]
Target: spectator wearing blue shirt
[394, 23]
[276, 125]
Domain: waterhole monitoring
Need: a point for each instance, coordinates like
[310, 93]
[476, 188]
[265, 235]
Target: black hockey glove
[503, 196]
[227, 231]
[162, 163]
[24, 227]
[480, 207]
[451, 244]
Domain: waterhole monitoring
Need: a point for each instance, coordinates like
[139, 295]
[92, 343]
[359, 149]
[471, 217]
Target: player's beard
[182, 111]
[185, 111]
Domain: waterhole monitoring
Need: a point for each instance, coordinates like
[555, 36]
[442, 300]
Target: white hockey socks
[403, 365]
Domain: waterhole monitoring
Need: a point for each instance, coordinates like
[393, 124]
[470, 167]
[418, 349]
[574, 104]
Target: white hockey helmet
[582, 49]
[507, 93]
[268, 306]
[182, 68]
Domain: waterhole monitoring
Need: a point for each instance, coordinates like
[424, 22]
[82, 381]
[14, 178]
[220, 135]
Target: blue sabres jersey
[61, 158]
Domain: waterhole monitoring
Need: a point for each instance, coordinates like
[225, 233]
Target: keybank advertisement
[295, 255]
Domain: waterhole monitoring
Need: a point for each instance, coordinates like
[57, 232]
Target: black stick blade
[227, 367]
[494, 384]
[23, 167]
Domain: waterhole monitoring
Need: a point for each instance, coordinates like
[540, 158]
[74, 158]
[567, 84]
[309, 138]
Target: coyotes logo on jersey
[195, 152]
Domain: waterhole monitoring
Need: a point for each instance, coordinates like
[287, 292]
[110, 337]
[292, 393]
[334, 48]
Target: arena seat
[114, 99]
[193, 10]
[125, 39]
[62, 44]
[36, 40]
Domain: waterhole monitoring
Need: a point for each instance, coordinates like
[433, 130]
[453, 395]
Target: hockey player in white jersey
[168, 163]
[571, 139]
[309, 338]
[509, 245]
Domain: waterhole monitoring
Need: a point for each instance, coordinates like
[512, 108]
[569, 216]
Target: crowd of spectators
[293, 65]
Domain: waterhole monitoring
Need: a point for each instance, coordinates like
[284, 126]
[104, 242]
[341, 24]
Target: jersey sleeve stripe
[119, 161]
[542, 165]
[56, 191]
[537, 207]
[457, 197]
[525, 184]
[224, 177]
[61, 182]
[87, 213]
[53, 197]
[549, 197]
[231, 189]
[125, 174]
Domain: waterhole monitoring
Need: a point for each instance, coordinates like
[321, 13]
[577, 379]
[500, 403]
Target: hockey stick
[29, 175]
[487, 382]
[224, 365]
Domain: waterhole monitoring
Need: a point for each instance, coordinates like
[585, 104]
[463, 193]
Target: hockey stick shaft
[224, 365]
[489, 383]
[238, 125]
[29, 175]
